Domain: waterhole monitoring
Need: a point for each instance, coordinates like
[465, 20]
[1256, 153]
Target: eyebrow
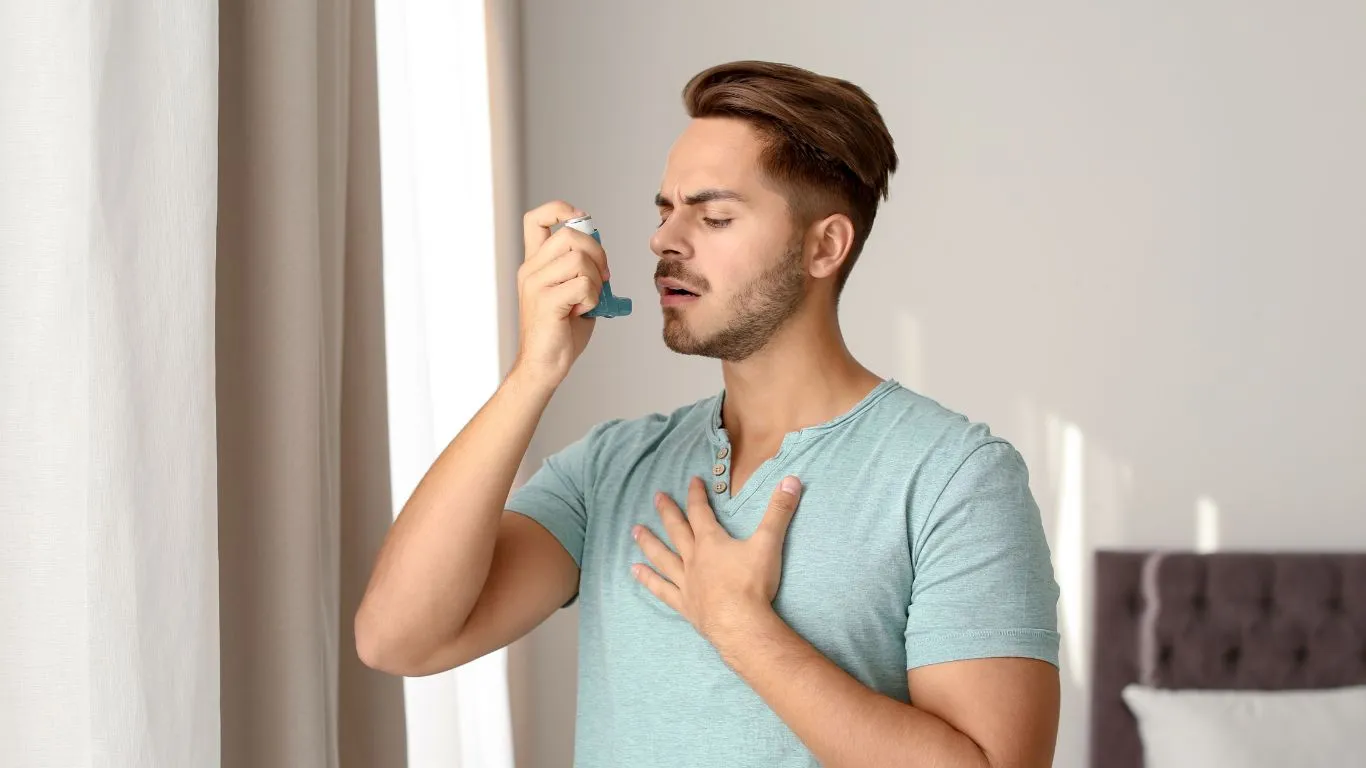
[700, 197]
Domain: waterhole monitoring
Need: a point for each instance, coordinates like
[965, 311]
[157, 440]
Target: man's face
[727, 238]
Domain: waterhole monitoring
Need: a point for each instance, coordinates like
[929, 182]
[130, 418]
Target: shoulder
[942, 447]
[616, 437]
[941, 437]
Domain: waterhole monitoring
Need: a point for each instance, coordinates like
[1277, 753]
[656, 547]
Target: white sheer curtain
[108, 533]
[441, 311]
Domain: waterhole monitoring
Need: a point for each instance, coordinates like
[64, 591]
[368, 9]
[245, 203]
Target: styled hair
[825, 144]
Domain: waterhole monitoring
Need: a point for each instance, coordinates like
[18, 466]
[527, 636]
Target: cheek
[733, 262]
[725, 280]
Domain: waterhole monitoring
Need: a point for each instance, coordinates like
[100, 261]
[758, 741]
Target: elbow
[380, 650]
[372, 647]
[396, 652]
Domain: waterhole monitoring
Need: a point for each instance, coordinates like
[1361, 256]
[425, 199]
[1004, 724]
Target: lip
[666, 299]
[663, 284]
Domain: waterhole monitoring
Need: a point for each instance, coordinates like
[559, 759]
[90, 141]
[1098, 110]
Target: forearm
[843, 722]
[436, 557]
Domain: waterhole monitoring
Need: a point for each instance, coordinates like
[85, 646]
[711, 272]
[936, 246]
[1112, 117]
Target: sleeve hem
[924, 649]
[561, 533]
[557, 530]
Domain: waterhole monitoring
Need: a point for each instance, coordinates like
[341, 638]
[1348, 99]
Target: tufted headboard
[1227, 620]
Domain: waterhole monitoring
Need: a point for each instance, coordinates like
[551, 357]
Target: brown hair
[825, 142]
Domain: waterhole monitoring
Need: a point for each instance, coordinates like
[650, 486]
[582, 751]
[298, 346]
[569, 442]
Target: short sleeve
[557, 495]
[983, 583]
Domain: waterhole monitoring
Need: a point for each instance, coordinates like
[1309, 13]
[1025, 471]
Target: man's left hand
[718, 583]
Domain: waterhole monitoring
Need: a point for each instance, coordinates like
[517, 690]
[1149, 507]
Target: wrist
[529, 379]
[739, 625]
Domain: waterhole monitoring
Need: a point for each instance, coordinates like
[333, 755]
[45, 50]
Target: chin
[718, 346]
[677, 336]
[680, 338]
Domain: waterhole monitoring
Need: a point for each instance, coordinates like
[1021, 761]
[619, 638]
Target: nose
[669, 241]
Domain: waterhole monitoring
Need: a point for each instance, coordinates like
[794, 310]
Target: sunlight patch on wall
[1206, 525]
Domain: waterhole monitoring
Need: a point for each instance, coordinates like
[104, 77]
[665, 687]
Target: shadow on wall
[1084, 494]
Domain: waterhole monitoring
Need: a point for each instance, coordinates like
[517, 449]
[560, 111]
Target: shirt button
[723, 453]
[718, 470]
[720, 486]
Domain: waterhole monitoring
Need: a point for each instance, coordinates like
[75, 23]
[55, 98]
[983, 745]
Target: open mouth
[674, 292]
[674, 296]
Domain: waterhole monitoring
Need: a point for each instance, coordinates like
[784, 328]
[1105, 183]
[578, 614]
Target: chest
[846, 570]
[745, 461]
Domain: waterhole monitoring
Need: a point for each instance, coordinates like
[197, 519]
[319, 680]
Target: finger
[699, 509]
[536, 223]
[564, 242]
[675, 523]
[661, 557]
[781, 507]
[568, 266]
[666, 592]
[574, 296]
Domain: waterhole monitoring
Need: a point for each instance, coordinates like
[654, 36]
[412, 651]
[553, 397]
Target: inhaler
[608, 305]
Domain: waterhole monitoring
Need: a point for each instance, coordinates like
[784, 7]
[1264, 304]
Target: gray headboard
[1227, 620]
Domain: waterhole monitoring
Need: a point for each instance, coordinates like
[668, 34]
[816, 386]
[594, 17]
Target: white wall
[1130, 236]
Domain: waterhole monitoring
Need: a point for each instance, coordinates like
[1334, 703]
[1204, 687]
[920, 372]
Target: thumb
[781, 507]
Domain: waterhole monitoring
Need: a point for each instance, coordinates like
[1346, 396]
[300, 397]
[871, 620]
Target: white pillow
[1250, 729]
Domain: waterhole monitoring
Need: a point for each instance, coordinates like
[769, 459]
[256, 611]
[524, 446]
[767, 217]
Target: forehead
[714, 152]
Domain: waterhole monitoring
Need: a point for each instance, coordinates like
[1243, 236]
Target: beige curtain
[302, 453]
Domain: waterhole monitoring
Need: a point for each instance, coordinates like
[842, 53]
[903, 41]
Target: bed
[1233, 621]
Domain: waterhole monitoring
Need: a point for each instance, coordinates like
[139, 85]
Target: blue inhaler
[608, 305]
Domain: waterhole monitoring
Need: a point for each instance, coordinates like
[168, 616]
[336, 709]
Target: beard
[758, 311]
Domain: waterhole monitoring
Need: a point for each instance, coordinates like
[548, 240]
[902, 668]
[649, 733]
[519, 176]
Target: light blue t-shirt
[916, 542]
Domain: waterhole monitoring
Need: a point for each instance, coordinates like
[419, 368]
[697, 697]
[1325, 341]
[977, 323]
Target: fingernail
[635, 532]
[791, 485]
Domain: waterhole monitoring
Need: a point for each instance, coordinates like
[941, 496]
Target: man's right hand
[559, 280]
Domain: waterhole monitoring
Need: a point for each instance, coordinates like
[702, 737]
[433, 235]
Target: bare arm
[530, 578]
[981, 713]
[456, 572]
[436, 558]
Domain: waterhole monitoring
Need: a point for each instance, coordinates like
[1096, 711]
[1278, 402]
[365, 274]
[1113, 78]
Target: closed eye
[713, 223]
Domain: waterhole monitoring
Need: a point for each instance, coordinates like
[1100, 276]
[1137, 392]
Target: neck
[804, 376]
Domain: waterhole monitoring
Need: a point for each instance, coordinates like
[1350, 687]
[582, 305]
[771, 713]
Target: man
[816, 566]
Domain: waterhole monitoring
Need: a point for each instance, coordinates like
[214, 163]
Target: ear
[828, 242]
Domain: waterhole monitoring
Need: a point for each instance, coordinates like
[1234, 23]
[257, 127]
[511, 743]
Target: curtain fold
[194, 448]
[303, 459]
[108, 539]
